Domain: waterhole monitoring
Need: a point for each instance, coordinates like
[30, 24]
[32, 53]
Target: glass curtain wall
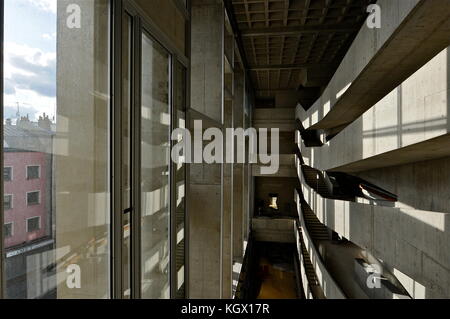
[57, 154]
[56, 122]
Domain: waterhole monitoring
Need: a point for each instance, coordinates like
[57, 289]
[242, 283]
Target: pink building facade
[21, 209]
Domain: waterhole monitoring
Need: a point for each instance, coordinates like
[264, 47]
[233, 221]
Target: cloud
[48, 36]
[45, 5]
[29, 69]
[9, 87]
[10, 112]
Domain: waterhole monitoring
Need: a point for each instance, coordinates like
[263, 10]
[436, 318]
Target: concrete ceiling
[296, 44]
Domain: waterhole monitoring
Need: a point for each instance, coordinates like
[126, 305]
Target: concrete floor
[278, 282]
[276, 272]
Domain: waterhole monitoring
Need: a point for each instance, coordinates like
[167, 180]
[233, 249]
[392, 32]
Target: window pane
[7, 174]
[33, 224]
[8, 230]
[7, 202]
[56, 140]
[32, 172]
[32, 198]
[155, 137]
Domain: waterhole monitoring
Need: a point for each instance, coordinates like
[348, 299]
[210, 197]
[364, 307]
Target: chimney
[44, 122]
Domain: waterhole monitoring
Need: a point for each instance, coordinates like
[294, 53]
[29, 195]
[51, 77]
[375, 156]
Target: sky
[30, 58]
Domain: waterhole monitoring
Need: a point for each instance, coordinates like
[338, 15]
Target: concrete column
[248, 183]
[205, 202]
[227, 222]
[81, 151]
[238, 170]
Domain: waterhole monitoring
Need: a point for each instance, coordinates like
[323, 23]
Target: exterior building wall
[18, 187]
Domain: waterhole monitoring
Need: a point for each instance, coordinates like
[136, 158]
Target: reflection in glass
[155, 161]
[56, 115]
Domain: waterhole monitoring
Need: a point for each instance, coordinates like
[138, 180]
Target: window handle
[128, 210]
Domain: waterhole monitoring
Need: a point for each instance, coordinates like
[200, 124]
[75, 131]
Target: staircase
[316, 229]
[311, 276]
[317, 181]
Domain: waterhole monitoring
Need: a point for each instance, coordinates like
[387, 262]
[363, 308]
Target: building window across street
[7, 174]
[33, 224]
[33, 172]
[8, 229]
[7, 202]
[33, 198]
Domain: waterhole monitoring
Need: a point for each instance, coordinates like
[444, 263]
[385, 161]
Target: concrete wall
[422, 185]
[174, 27]
[284, 187]
[280, 118]
[278, 230]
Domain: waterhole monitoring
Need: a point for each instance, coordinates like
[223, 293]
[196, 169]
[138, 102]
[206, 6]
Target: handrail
[328, 284]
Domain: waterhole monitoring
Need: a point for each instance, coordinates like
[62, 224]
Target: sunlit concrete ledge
[330, 288]
[406, 40]
[410, 124]
[413, 243]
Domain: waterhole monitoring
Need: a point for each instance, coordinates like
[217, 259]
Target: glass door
[155, 169]
[150, 236]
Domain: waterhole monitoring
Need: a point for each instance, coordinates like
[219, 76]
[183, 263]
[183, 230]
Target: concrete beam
[269, 67]
[298, 30]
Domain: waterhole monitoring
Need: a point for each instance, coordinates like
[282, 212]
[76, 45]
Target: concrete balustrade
[278, 230]
[413, 243]
[409, 124]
